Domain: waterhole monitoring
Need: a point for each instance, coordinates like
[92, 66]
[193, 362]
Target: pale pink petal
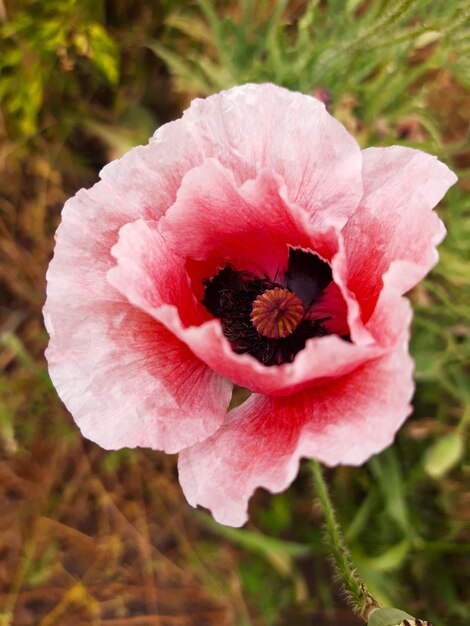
[257, 446]
[143, 183]
[129, 382]
[395, 221]
[252, 127]
[248, 128]
[145, 180]
[358, 415]
[109, 362]
[261, 442]
[249, 226]
[390, 321]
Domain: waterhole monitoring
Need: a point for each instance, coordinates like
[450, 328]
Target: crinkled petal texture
[125, 378]
[391, 240]
[253, 127]
[244, 176]
[260, 444]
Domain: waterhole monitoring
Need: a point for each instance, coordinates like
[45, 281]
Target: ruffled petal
[145, 180]
[323, 358]
[142, 184]
[339, 266]
[252, 127]
[249, 225]
[246, 128]
[149, 272]
[390, 321]
[395, 221]
[257, 446]
[129, 382]
[109, 362]
[358, 415]
[262, 441]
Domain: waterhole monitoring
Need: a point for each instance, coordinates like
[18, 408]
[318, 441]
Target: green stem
[360, 599]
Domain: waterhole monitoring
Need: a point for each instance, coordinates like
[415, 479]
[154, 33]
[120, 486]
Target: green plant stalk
[359, 598]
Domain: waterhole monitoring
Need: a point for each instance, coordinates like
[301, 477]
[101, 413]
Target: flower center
[268, 319]
[276, 313]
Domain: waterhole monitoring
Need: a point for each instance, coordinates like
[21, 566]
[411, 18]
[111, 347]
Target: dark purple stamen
[230, 294]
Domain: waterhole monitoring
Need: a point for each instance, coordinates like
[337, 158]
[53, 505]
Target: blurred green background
[90, 537]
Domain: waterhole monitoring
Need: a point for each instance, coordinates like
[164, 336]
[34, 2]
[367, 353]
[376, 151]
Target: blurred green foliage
[368, 50]
[82, 81]
[47, 45]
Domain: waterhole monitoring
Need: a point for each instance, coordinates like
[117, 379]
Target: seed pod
[394, 617]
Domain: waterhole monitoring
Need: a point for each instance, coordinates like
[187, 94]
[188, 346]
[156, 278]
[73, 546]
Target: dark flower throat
[230, 295]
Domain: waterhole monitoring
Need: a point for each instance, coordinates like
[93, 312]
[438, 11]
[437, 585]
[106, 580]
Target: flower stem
[359, 598]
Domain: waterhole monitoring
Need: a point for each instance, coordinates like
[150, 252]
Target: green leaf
[388, 617]
[444, 454]
[391, 559]
[387, 472]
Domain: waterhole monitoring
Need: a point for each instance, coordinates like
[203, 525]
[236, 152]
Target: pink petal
[143, 183]
[123, 376]
[322, 358]
[395, 221]
[130, 382]
[339, 266]
[247, 128]
[391, 307]
[257, 446]
[147, 269]
[358, 416]
[249, 226]
[146, 178]
[252, 127]
[261, 442]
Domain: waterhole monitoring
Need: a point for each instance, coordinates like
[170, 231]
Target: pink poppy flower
[250, 243]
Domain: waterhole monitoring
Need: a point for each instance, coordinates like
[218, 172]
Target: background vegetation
[90, 537]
